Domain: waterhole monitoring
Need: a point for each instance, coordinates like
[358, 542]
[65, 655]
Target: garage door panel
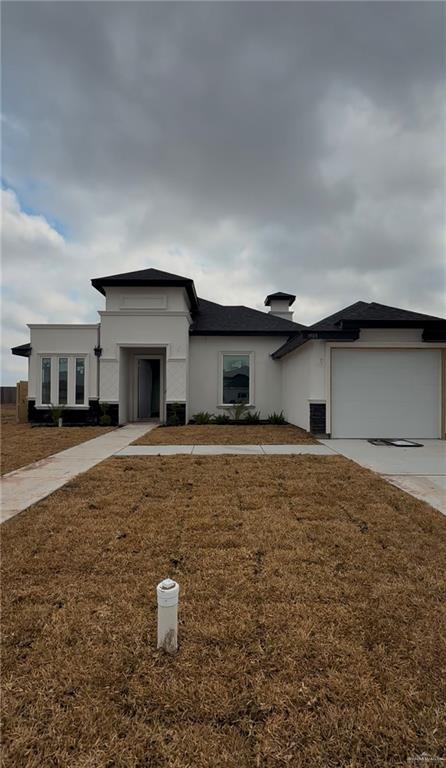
[385, 393]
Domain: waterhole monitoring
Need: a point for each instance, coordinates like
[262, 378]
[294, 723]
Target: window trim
[71, 379]
[235, 353]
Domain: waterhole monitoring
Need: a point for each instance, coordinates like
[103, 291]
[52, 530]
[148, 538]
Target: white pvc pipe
[167, 593]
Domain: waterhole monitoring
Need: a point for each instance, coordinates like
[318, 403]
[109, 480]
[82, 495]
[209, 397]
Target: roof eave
[434, 334]
[347, 324]
[312, 335]
[286, 332]
[22, 350]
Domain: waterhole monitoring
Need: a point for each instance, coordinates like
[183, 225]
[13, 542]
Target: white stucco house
[369, 370]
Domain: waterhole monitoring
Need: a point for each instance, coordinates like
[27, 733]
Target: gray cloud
[254, 146]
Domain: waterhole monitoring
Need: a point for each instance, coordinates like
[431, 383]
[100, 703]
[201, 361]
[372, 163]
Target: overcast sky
[252, 147]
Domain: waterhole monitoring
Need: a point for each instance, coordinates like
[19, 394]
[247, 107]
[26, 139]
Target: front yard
[312, 619]
[22, 444]
[226, 434]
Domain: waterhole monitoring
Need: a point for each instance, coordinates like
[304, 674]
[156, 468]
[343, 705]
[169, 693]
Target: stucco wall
[303, 381]
[157, 299]
[62, 339]
[390, 334]
[144, 330]
[306, 372]
[204, 371]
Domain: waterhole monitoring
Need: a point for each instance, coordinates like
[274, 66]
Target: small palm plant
[204, 417]
[237, 411]
[105, 418]
[56, 414]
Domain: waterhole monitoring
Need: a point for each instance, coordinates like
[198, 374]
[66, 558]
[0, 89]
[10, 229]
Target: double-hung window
[236, 378]
[63, 380]
[46, 381]
[80, 380]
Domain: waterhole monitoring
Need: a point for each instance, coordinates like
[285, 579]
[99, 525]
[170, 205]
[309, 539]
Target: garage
[387, 393]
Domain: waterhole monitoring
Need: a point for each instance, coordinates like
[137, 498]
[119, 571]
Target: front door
[148, 388]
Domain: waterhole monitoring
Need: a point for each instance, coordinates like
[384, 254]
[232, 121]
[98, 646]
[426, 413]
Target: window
[63, 380]
[236, 379]
[80, 380]
[46, 380]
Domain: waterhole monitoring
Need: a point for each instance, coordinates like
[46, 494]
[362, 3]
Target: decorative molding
[63, 326]
[144, 312]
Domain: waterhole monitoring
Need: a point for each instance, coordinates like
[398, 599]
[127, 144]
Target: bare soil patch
[312, 618]
[22, 444]
[226, 434]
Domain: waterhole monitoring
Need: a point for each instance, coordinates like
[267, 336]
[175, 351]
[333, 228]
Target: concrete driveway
[419, 471]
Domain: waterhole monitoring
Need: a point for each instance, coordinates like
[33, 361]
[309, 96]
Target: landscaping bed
[226, 434]
[22, 444]
[312, 618]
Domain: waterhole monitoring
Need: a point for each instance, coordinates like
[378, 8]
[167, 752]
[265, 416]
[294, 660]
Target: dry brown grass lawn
[312, 618]
[22, 444]
[226, 434]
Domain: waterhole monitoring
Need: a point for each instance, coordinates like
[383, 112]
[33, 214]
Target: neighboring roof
[280, 296]
[374, 315]
[218, 320]
[345, 325]
[149, 277]
[23, 350]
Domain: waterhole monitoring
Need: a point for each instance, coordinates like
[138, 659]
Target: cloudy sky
[252, 146]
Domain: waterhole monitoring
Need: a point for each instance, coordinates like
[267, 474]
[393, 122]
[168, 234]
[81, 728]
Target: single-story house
[367, 371]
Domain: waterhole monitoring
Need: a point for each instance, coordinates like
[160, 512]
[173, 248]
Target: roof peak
[149, 272]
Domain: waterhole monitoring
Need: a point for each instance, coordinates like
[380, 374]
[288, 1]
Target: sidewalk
[218, 450]
[27, 485]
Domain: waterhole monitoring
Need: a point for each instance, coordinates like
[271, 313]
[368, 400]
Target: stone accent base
[175, 414]
[318, 418]
[73, 416]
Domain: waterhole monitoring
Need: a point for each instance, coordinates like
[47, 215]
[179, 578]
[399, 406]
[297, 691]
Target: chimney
[279, 304]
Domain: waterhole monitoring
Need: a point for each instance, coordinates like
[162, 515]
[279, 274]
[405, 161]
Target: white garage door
[385, 393]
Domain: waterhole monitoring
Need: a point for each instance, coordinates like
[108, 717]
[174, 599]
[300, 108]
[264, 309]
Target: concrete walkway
[418, 471]
[27, 485]
[218, 450]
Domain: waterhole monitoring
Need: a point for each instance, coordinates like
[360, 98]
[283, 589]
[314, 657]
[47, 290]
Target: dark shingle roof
[219, 320]
[372, 312]
[22, 350]
[345, 324]
[150, 277]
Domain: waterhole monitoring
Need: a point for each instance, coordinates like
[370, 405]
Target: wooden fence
[7, 395]
[22, 401]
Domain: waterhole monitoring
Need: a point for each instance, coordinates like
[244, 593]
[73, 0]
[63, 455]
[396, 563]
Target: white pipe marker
[167, 593]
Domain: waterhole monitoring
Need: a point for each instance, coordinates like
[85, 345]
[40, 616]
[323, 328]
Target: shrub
[252, 418]
[276, 418]
[56, 413]
[204, 417]
[222, 418]
[105, 418]
[237, 411]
